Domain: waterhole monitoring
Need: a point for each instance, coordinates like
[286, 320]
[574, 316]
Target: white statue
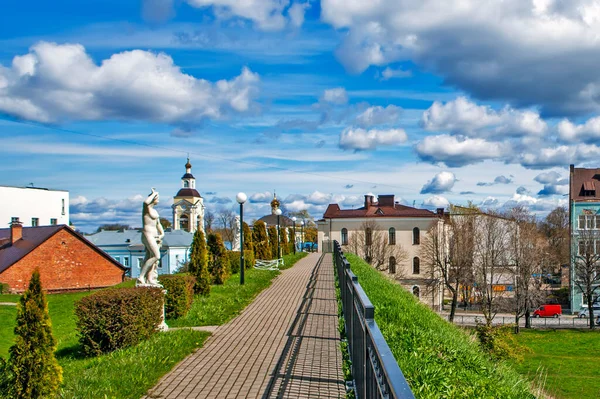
[152, 235]
[236, 234]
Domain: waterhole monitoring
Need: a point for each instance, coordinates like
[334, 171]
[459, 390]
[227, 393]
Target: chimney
[368, 201]
[440, 211]
[16, 231]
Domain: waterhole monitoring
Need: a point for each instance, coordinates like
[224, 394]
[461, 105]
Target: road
[565, 321]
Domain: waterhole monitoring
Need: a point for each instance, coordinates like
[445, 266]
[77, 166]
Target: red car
[548, 311]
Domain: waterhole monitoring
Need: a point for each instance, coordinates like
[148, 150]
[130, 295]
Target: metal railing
[376, 373]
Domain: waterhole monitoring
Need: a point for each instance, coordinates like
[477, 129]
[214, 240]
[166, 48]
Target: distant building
[66, 260]
[399, 225]
[188, 204]
[584, 221]
[33, 206]
[271, 220]
[125, 247]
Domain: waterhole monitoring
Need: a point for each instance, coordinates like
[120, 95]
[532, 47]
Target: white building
[33, 206]
[402, 228]
[125, 246]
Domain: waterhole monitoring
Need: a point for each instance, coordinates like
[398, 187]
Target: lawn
[228, 300]
[568, 359]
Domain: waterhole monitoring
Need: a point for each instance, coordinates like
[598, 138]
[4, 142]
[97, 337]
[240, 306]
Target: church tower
[188, 205]
[274, 204]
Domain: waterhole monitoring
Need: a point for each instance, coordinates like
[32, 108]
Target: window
[416, 236]
[118, 259]
[125, 261]
[392, 236]
[416, 265]
[186, 183]
[63, 206]
[53, 222]
[368, 236]
[392, 265]
[416, 291]
[14, 220]
[35, 222]
[589, 222]
[344, 236]
[581, 221]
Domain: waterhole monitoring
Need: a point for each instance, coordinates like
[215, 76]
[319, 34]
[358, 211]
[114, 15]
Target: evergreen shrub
[218, 262]
[260, 240]
[198, 264]
[180, 294]
[248, 243]
[273, 242]
[117, 318]
[234, 260]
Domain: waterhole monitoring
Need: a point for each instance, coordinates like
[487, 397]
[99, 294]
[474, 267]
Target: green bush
[234, 260]
[260, 241]
[438, 359]
[272, 230]
[32, 370]
[117, 318]
[248, 242]
[218, 262]
[4, 288]
[180, 294]
[198, 264]
[500, 342]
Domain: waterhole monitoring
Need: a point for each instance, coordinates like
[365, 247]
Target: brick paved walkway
[284, 344]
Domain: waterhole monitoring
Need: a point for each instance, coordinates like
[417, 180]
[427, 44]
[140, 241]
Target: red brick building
[66, 260]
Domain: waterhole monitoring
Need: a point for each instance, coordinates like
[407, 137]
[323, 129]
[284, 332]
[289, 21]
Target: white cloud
[361, 139]
[336, 95]
[456, 151]
[553, 183]
[441, 183]
[588, 131]
[261, 197]
[296, 13]
[559, 156]
[266, 14]
[511, 50]
[436, 201]
[378, 115]
[389, 73]
[498, 180]
[56, 82]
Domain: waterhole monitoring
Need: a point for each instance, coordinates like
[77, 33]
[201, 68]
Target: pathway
[284, 344]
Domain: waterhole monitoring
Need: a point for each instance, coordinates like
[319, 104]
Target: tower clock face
[184, 207]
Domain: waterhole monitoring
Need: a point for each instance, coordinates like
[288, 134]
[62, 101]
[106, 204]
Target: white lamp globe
[278, 211]
[241, 198]
[294, 219]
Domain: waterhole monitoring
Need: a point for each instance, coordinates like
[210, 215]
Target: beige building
[388, 235]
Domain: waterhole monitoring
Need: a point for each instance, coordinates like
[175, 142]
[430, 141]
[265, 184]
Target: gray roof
[112, 238]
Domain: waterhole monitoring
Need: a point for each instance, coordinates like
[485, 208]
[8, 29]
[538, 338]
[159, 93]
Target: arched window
[344, 236]
[416, 236]
[416, 265]
[186, 183]
[392, 265]
[392, 236]
[368, 236]
[416, 291]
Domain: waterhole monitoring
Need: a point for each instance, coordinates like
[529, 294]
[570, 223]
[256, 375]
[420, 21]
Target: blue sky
[323, 101]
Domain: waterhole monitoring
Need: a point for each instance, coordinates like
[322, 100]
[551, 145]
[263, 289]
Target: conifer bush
[112, 319]
[32, 370]
[218, 262]
[198, 264]
[284, 241]
[273, 241]
[180, 294]
[248, 244]
[234, 260]
[262, 250]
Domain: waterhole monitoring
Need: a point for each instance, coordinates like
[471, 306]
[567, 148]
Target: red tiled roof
[374, 211]
[583, 179]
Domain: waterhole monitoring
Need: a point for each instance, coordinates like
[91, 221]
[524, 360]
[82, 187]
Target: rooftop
[384, 207]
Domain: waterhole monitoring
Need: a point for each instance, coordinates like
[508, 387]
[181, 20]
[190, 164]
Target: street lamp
[294, 220]
[241, 198]
[302, 235]
[278, 213]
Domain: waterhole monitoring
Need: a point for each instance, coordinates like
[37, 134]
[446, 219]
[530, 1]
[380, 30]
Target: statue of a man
[152, 236]
[235, 246]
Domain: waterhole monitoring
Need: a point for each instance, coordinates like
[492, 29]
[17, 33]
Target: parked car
[584, 312]
[548, 311]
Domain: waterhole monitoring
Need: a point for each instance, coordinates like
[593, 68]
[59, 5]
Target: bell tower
[188, 204]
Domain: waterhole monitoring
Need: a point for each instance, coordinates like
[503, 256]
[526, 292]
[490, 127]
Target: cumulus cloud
[336, 95]
[522, 190]
[359, 139]
[441, 183]
[55, 82]
[436, 201]
[489, 202]
[390, 73]
[261, 197]
[553, 183]
[378, 115]
[498, 180]
[587, 132]
[465, 117]
[456, 151]
[513, 50]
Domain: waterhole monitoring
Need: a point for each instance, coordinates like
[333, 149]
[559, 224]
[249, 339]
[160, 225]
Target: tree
[165, 223]
[370, 242]
[292, 243]
[556, 229]
[310, 234]
[586, 266]
[209, 220]
[198, 264]
[226, 219]
[218, 264]
[260, 241]
[33, 371]
[112, 227]
[272, 230]
[248, 242]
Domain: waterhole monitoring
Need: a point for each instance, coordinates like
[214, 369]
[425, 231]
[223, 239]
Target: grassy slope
[569, 358]
[437, 359]
[228, 300]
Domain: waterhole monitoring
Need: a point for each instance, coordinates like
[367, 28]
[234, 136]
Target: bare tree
[209, 220]
[371, 243]
[528, 249]
[586, 266]
[226, 218]
[556, 229]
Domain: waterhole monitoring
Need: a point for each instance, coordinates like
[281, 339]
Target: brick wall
[65, 262]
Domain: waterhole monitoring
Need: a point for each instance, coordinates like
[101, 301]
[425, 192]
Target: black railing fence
[376, 373]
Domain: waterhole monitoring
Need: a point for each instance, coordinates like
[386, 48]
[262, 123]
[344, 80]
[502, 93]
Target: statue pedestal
[162, 326]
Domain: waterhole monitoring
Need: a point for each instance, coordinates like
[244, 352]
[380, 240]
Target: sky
[320, 101]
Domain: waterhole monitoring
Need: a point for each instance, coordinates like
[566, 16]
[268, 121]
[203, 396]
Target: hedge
[117, 318]
[180, 294]
[234, 260]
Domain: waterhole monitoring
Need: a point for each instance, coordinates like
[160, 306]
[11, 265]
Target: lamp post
[278, 213]
[302, 235]
[241, 198]
[294, 220]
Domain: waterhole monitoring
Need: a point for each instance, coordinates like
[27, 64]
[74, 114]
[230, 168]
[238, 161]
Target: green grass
[438, 359]
[568, 359]
[14, 298]
[228, 300]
